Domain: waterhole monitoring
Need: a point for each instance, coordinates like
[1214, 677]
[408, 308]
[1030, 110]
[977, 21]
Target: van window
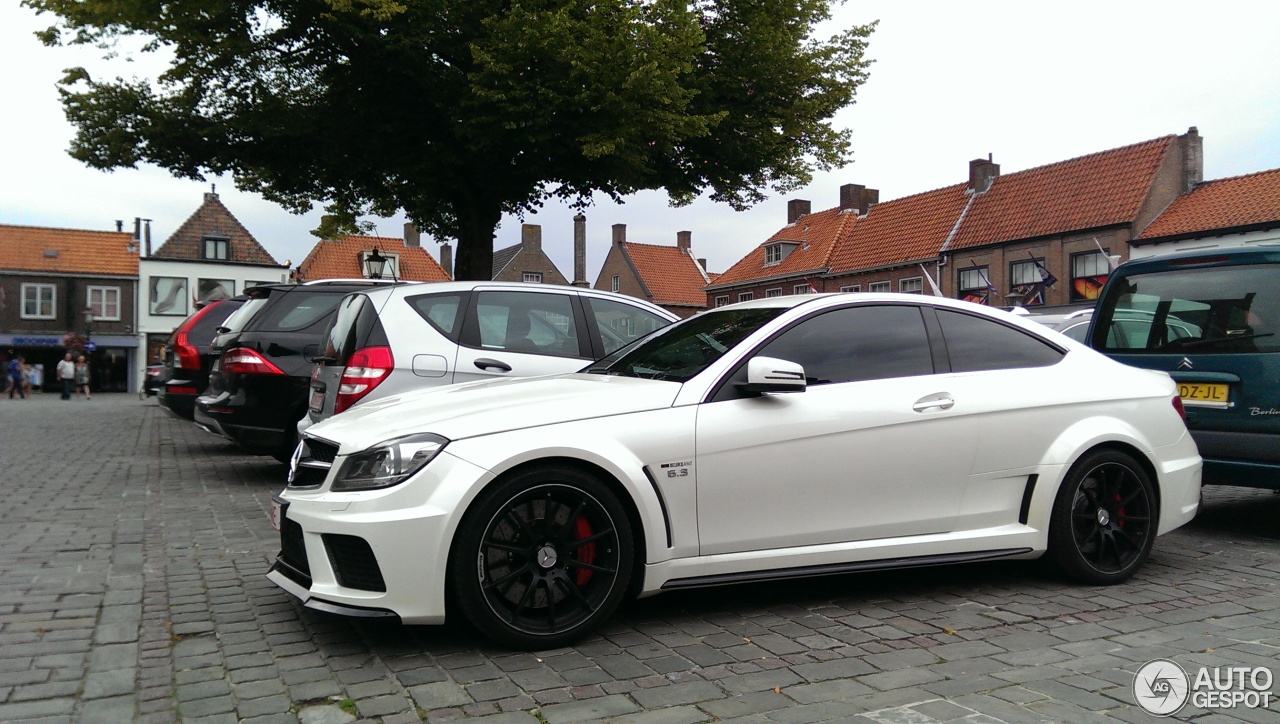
[1221, 310]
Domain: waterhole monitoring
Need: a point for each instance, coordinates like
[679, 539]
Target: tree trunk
[477, 222]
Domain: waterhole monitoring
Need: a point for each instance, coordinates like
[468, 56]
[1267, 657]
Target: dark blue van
[1211, 319]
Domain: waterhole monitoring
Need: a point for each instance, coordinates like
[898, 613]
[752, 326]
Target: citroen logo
[1185, 364]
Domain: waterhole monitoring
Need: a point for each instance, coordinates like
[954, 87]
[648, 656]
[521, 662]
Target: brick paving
[133, 548]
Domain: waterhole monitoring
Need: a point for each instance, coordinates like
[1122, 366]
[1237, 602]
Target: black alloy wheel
[541, 558]
[1104, 519]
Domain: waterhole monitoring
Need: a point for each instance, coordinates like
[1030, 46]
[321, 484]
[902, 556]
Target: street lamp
[88, 324]
[374, 264]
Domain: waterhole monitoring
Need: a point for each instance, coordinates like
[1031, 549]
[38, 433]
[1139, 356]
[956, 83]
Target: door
[520, 334]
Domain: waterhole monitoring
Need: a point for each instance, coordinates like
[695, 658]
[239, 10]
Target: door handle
[487, 363]
[942, 401]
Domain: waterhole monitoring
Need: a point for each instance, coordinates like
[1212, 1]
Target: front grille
[354, 564]
[322, 451]
[292, 550]
[308, 477]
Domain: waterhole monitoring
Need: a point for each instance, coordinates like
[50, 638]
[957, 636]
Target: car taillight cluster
[1177, 405]
[185, 354]
[365, 370]
[245, 361]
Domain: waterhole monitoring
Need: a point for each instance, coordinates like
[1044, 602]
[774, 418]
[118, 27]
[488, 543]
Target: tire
[541, 558]
[1104, 519]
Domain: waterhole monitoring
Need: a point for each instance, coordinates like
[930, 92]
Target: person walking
[66, 375]
[82, 377]
[15, 377]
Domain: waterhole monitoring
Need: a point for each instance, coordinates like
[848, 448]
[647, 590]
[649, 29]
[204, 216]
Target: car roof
[1263, 254]
[407, 288]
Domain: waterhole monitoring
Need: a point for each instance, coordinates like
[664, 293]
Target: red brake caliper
[586, 553]
[1119, 513]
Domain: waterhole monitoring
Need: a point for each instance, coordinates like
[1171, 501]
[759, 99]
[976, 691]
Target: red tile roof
[341, 260]
[67, 251]
[670, 274]
[902, 230]
[817, 234]
[1221, 204]
[213, 218]
[1092, 191]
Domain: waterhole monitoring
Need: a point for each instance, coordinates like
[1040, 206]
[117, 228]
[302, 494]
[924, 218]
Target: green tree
[458, 111]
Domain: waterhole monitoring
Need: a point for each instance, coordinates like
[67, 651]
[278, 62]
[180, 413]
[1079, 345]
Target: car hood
[492, 406]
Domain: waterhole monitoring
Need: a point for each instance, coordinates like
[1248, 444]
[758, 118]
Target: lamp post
[374, 264]
[88, 325]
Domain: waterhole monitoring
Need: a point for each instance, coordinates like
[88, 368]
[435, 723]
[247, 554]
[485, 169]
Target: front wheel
[541, 558]
[1104, 519]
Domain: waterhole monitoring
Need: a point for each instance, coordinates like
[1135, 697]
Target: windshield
[684, 349]
[1220, 310]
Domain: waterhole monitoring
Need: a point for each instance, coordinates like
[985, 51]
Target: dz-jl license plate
[277, 512]
[1204, 394]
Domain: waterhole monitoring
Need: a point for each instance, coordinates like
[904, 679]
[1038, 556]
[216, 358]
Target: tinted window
[680, 351]
[297, 310]
[621, 324]
[1230, 309]
[341, 336]
[856, 343]
[977, 343]
[527, 322]
[441, 310]
[202, 331]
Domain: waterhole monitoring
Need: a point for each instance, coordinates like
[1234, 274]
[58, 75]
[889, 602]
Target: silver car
[393, 340]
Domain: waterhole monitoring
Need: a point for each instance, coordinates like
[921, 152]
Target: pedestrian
[67, 375]
[15, 377]
[82, 377]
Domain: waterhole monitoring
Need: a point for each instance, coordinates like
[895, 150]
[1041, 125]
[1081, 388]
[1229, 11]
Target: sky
[1027, 83]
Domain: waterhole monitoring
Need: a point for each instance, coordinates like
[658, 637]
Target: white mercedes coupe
[784, 437]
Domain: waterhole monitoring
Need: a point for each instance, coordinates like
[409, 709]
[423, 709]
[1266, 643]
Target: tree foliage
[458, 111]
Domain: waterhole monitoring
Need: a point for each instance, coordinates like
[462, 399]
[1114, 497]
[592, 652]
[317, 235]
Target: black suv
[188, 356]
[261, 375]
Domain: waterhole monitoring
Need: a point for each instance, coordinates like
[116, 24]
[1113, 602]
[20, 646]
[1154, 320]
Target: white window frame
[38, 290]
[802, 289]
[99, 309]
[885, 286]
[745, 296]
[775, 292]
[615, 283]
[391, 270]
[773, 255]
[532, 277]
[722, 300]
[917, 284]
[851, 288]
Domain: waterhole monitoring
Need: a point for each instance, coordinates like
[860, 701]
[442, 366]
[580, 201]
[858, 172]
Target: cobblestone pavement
[133, 548]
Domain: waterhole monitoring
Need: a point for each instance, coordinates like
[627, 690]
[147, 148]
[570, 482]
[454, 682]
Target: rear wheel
[542, 558]
[1104, 518]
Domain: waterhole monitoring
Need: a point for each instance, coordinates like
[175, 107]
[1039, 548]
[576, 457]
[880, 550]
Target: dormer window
[216, 248]
[376, 265]
[776, 252]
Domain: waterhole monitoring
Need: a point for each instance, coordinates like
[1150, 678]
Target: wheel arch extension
[1140, 457]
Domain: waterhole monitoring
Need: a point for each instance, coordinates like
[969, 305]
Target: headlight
[388, 463]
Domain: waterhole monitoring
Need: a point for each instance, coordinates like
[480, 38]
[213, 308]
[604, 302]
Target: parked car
[783, 437]
[1211, 320]
[188, 356]
[389, 341]
[261, 372]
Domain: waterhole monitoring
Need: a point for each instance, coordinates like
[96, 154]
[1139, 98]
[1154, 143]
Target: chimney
[120, 225]
[856, 197]
[684, 240]
[446, 258]
[795, 209]
[982, 173]
[211, 195]
[147, 240]
[531, 237]
[1192, 159]
[619, 234]
[703, 263]
[412, 237]
[580, 250]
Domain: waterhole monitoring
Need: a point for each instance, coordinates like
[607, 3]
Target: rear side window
[856, 343]
[298, 310]
[528, 322]
[977, 343]
[241, 316]
[342, 337]
[442, 311]
[204, 328]
[1214, 310]
[621, 324]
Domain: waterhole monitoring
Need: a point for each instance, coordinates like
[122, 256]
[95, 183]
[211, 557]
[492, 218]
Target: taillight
[187, 355]
[244, 361]
[365, 370]
[1177, 405]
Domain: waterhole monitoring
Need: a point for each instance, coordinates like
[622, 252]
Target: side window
[440, 310]
[857, 343]
[621, 324]
[976, 343]
[298, 310]
[527, 322]
[341, 339]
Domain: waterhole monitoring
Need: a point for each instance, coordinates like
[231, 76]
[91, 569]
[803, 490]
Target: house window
[390, 269]
[911, 285]
[614, 284]
[103, 302]
[211, 290]
[1089, 272]
[852, 288]
[169, 296]
[1025, 279]
[973, 285]
[533, 277]
[216, 248]
[802, 289]
[722, 300]
[773, 254]
[773, 292]
[744, 297]
[38, 301]
[880, 287]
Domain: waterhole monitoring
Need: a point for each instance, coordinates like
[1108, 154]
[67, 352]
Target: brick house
[668, 276]
[1237, 211]
[990, 239]
[77, 283]
[344, 259]
[526, 261]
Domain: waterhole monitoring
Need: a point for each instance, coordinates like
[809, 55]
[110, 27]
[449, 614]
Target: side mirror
[769, 374]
